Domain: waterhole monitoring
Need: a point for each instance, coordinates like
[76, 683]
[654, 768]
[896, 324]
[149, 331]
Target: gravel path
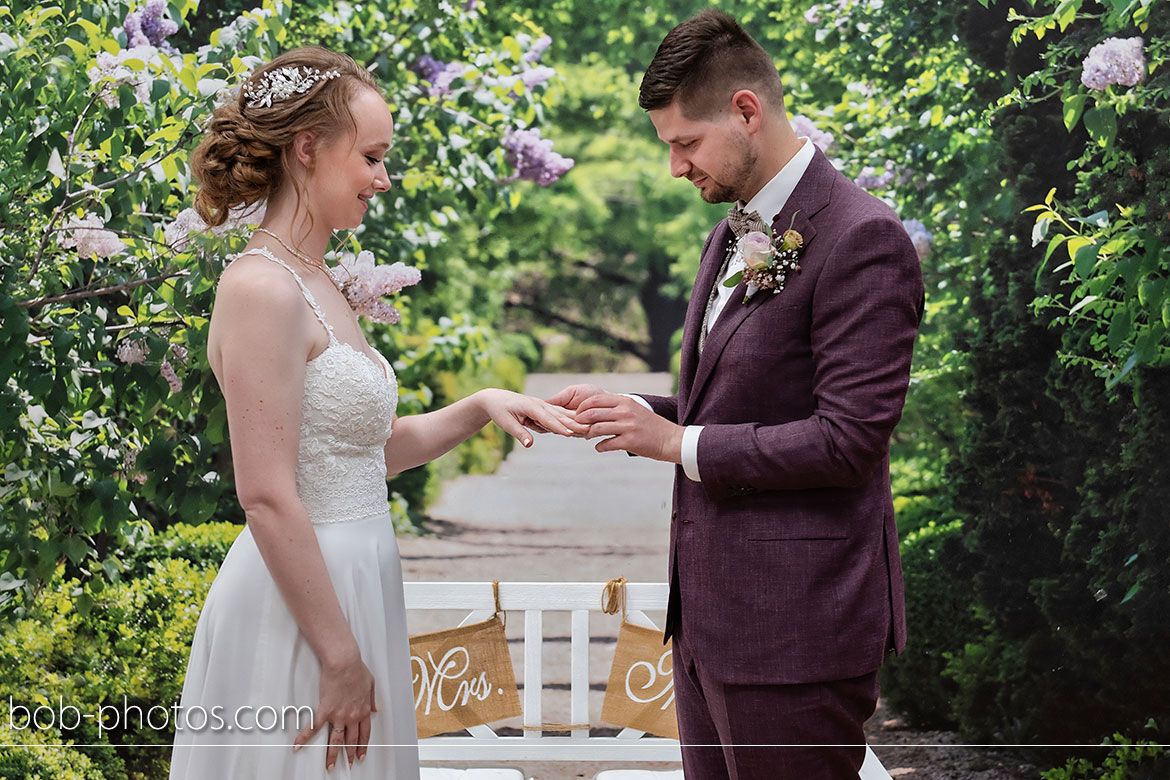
[561, 512]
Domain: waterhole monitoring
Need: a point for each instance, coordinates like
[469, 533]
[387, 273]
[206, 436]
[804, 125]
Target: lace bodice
[346, 416]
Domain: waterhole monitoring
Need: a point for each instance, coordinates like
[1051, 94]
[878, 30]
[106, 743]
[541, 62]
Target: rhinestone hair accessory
[280, 83]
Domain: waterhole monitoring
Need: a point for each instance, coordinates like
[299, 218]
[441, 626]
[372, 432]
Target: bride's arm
[262, 356]
[421, 438]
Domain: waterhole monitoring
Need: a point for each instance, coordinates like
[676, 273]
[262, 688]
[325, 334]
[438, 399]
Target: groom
[785, 581]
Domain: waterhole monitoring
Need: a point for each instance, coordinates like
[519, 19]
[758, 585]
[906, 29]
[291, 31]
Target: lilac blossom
[148, 27]
[437, 73]
[805, 127]
[534, 77]
[920, 236]
[89, 237]
[533, 157]
[178, 233]
[533, 54]
[364, 284]
[167, 372]
[874, 179]
[110, 72]
[130, 466]
[132, 351]
[1114, 61]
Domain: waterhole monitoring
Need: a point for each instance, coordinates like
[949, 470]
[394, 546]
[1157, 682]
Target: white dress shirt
[768, 202]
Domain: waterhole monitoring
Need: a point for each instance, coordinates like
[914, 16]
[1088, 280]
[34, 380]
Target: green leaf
[1074, 106]
[1120, 329]
[1085, 259]
[1129, 594]
[1130, 560]
[1101, 122]
[734, 279]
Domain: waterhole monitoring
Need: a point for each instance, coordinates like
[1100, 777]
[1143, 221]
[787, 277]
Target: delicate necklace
[320, 264]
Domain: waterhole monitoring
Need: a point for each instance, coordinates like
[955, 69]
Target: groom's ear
[747, 110]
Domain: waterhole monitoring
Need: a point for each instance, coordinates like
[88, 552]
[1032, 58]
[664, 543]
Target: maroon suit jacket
[784, 559]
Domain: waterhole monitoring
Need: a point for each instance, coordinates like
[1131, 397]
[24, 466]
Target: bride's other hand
[574, 395]
[515, 412]
[346, 695]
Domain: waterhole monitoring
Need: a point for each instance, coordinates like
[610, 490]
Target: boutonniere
[767, 260]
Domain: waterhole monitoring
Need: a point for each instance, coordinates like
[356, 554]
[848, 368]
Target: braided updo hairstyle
[242, 158]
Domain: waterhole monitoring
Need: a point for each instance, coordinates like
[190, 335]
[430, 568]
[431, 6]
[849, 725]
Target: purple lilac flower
[872, 179]
[167, 372]
[533, 157]
[437, 73]
[1114, 61]
[920, 236]
[805, 127]
[148, 27]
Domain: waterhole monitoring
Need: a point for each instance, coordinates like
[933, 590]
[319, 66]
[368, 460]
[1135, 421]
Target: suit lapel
[810, 196]
[709, 266]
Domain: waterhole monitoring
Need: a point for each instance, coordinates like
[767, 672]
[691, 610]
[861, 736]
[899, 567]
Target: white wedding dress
[249, 662]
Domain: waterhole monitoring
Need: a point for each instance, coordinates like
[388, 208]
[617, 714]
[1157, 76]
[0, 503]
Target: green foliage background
[1029, 468]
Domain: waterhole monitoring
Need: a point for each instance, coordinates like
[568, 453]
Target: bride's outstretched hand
[516, 413]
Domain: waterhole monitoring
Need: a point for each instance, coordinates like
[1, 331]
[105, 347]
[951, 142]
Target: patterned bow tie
[744, 222]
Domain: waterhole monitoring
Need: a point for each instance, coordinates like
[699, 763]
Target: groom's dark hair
[703, 62]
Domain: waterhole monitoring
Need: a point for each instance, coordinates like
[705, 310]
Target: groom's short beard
[740, 179]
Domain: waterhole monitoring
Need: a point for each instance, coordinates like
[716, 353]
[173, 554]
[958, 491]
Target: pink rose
[757, 250]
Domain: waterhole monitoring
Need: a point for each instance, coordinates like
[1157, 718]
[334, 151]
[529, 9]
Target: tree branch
[77, 295]
[637, 349]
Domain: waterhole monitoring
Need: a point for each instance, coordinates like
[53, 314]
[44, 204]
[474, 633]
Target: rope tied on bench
[613, 597]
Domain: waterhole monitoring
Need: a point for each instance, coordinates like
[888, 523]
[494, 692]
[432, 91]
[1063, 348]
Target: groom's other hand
[631, 427]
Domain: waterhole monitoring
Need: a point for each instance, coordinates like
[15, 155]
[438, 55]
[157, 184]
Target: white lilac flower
[1114, 61]
[920, 236]
[132, 351]
[813, 15]
[534, 77]
[364, 284]
[177, 233]
[180, 354]
[89, 237]
[533, 157]
[110, 72]
[805, 127]
[538, 46]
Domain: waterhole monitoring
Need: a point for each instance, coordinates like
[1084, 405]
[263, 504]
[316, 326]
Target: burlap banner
[463, 677]
[640, 691]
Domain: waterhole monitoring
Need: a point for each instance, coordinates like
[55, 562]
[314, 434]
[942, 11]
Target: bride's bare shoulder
[252, 281]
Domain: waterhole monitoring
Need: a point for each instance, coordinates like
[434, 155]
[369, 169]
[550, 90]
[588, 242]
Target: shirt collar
[771, 198]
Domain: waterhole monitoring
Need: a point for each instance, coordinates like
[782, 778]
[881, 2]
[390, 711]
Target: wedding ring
[338, 729]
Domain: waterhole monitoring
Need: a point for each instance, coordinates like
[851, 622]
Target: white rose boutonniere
[767, 260]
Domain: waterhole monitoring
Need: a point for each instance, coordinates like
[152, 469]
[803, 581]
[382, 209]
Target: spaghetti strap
[265, 252]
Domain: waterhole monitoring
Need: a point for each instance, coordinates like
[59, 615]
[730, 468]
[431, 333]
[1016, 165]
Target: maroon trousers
[811, 731]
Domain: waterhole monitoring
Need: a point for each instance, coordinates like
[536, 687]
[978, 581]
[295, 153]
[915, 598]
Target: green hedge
[940, 623]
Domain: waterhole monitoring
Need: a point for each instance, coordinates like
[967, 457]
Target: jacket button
[674, 515]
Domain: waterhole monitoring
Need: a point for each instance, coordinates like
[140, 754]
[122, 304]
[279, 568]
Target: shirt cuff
[640, 400]
[690, 452]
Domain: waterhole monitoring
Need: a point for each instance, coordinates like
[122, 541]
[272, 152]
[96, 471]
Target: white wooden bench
[534, 599]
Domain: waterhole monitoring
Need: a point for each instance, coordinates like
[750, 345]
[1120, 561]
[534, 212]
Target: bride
[300, 657]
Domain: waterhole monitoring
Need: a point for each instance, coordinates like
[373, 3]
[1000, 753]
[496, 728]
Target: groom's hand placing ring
[631, 427]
